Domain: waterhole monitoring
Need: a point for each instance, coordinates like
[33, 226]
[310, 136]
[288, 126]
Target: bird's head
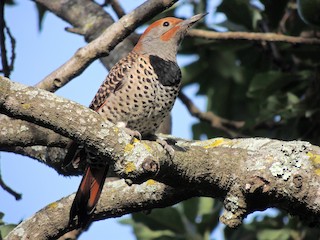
[163, 37]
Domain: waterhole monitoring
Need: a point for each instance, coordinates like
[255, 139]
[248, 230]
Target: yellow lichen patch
[317, 171]
[135, 140]
[53, 205]
[129, 167]
[26, 106]
[215, 143]
[128, 148]
[315, 159]
[150, 182]
[148, 148]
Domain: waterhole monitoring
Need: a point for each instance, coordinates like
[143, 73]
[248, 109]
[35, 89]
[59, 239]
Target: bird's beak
[191, 21]
[181, 28]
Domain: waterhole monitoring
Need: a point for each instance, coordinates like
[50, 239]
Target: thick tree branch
[247, 174]
[90, 20]
[52, 221]
[15, 132]
[102, 45]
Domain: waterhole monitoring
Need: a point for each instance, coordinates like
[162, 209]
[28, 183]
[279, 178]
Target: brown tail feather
[88, 195]
[72, 155]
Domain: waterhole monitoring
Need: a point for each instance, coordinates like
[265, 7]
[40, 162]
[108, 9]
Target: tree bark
[246, 174]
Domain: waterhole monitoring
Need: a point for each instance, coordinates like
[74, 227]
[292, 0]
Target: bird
[138, 93]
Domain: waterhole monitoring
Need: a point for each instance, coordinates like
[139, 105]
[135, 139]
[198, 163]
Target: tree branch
[247, 174]
[214, 120]
[117, 8]
[269, 37]
[8, 189]
[15, 132]
[90, 20]
[102, 45]
[52, 221]
[6, 67]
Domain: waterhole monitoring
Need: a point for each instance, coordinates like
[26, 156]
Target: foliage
[272, 87]
[5, 228]
[193, 219]
[280, 227]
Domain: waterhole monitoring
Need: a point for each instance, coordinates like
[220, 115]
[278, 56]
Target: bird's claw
[134, 134]
[166, 147]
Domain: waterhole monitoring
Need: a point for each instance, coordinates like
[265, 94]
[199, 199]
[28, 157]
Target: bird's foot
[163, 143]
[133, 133]
[166, 146]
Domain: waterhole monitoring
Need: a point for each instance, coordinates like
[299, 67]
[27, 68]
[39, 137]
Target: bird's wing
[115, 80]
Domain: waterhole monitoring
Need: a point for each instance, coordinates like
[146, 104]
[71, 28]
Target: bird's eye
[166, 24]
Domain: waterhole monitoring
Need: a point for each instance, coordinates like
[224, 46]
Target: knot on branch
[151, 166]
[138, 163]
[257, 183]
[235, 207]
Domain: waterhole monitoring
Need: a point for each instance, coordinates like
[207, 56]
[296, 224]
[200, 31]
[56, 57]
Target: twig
[273, 47]
[78, 31]
[5, 68]
[13, 47]
[117, 8]
[269, 37]
[5, 187]
[214, 120]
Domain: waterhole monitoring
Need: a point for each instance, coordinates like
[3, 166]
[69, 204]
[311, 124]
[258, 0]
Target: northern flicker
[138, 94]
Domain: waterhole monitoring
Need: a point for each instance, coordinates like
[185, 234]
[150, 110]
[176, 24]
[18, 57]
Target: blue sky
[37, 55]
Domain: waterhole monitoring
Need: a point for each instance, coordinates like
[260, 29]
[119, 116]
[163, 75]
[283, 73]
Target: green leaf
[206, 205]
[209, 212]
[5, 229]
[267, 83]
[192, 72]
[144, 233]
[272, 234]
[1, 217]
[190, 208]
[10, 2]
[237, 11]
[161, 219]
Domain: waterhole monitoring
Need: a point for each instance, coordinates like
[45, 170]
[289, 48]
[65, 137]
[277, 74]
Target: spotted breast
[141, 91]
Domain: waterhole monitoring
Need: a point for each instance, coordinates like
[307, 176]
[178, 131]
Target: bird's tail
[88, 195]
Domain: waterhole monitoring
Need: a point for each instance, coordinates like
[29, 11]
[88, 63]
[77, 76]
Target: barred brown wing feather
[114, 82]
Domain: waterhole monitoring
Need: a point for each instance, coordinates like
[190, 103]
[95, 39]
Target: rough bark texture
[51, 222]
[246, 174]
